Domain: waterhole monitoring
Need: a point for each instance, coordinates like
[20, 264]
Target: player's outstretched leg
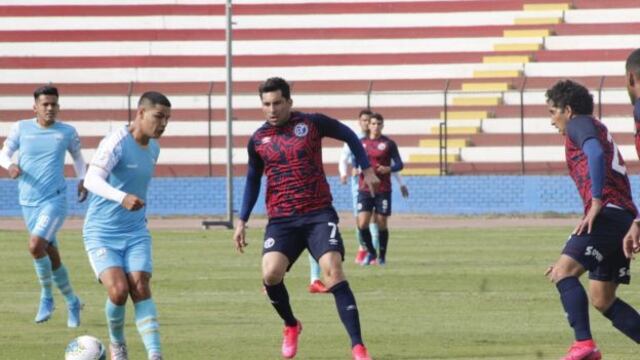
[74, 305]
[624, 318]
[115, 320]
[292, 327]
[348, 312]
[147, 324]
[576, 305]
[316, 286]
[44, 273]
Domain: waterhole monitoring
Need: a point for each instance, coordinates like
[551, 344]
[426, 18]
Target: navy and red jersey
[636, 118]
[291, 157]
[381, 151]
[616, 188]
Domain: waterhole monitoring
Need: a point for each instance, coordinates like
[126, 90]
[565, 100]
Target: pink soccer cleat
[290, 340]
[317, 287]
[583, 350]
[360, 255]
[359, 352]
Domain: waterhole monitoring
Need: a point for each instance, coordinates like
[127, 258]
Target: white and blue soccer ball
[85, 347]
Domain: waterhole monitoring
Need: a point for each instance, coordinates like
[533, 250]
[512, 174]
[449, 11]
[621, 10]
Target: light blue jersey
[41, 158]
[353, 180]
[130, 167]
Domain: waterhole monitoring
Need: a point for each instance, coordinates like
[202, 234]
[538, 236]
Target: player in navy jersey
[287, 148]
[384, 158]
[42, 143]
[599, 172]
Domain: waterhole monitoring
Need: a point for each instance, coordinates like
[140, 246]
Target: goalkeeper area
[447, 293]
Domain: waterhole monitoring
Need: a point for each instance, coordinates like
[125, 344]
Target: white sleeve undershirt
[96, 182]
[5, 157]
[79, 165]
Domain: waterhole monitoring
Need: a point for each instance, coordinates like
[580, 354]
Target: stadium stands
[491, 61]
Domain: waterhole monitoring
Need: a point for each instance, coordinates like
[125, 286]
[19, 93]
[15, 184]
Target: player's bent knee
[272, 278]
[118, 293]
[601, 303]
[37, 246]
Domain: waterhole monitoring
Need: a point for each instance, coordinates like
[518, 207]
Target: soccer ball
[85, 347]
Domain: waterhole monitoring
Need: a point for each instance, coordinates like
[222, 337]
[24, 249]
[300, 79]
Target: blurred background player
[288, 149]
[115, 230]
[384, 159]
[346, 160]
[42, 143]
[597, 168]
[633, 87]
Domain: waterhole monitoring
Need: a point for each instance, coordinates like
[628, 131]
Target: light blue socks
[44, 273]
[147, 323]
[115, 319]
[314, 269]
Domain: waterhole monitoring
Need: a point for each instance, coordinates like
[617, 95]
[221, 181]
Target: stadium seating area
[490, 61]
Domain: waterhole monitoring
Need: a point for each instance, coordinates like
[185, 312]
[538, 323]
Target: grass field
[444, 294]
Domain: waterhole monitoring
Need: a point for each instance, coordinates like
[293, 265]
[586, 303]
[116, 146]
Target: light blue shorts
[135, 256]
[44, 220]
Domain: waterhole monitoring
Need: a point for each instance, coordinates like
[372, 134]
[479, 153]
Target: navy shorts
[381, 203]
[601, 251]
[317, 231]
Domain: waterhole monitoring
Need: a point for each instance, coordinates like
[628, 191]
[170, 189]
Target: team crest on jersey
[269, 242]
[301, 130]
[58, 137]
[265, 140]
[382, 146]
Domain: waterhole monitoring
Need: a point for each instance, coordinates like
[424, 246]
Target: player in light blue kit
[42, 143]
[115, 231]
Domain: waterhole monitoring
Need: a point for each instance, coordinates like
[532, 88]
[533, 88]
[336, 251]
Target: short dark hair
[377, 116]
[567, 92]
[365, 112]
[154, 98]
[633, 62]
[275, 84]
[45, 90]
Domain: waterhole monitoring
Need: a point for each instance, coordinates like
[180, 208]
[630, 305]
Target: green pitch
[444, 294]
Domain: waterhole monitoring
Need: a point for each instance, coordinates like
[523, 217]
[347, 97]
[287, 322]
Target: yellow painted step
[480, 74]
[477, 101]
[537, 21]
[465, 115]
[451, 143]
[420, 158]
[457, 130]
[527, 33]
[545, 7]
[421, 172]
[492, 86]
[510, 59]
[517, 47]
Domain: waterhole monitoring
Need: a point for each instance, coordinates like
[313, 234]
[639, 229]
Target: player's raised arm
[104, 160]
[251, 191]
